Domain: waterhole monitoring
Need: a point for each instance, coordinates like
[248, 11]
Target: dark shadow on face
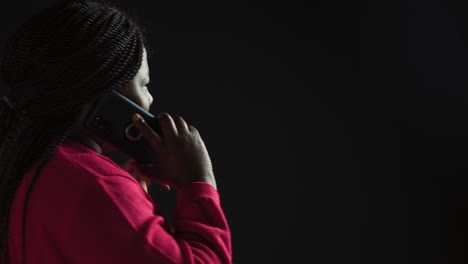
[136, 90]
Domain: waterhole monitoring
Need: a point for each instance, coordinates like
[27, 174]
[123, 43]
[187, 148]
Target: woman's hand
[132, 170]
[182, 155]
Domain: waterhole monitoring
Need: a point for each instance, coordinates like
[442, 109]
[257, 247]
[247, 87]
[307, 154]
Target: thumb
[148, 170]
[151, 172]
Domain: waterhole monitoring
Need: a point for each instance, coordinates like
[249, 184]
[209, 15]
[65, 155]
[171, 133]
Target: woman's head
[76, 51]
[136, 90]
[63, 58]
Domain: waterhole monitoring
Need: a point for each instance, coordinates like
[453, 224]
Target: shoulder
[79, 158]
[82, 169]
[67, 178]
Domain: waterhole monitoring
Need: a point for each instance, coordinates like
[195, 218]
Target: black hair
[65, 56]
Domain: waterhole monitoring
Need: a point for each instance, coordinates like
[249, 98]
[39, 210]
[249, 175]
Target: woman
[61, 201]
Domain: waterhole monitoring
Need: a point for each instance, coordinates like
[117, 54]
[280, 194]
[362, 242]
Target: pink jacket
[84, 208]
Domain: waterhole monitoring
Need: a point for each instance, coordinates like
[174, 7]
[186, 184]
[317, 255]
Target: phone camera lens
[96, 122]
[132, 132]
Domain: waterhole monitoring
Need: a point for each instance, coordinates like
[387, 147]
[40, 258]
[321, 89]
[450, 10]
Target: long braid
[67, 55]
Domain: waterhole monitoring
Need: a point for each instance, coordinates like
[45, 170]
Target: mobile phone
[111, 120]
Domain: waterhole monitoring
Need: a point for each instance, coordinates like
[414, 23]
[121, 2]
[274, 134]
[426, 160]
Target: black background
[337, 129]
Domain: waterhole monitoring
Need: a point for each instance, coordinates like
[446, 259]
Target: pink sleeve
[116, 223]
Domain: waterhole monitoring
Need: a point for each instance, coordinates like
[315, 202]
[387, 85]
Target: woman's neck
[85, 140]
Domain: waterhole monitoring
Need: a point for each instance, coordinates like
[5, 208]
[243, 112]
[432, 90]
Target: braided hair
[70, 54]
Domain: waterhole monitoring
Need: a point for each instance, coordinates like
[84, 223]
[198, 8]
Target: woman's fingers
[145, 182]
[168, 126]
[193, 129]
[130, 167]
[182, 126]
[171, 128]
[148, 133]
[145, 170]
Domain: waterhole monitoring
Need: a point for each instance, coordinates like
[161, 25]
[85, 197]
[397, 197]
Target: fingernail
[137, 118]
